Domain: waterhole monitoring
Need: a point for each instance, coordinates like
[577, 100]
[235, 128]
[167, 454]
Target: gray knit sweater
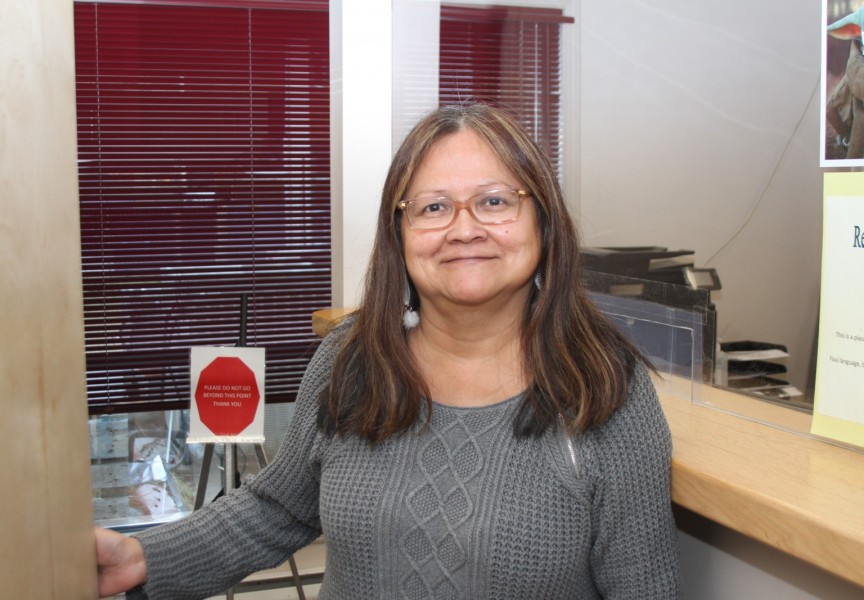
[462, 509]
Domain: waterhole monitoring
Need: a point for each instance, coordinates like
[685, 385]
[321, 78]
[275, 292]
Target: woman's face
[468, 263]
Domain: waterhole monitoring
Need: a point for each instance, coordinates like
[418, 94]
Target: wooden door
[46, 546]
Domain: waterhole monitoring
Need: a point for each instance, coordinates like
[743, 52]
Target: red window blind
[508, 56]
[204, 158]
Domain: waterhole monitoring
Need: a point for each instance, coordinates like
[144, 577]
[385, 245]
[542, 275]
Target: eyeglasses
[491, 207]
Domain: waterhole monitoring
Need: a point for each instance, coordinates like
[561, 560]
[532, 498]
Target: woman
[495, 438]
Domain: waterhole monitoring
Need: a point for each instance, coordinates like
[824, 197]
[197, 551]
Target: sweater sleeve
[257, 526]
[635, 549]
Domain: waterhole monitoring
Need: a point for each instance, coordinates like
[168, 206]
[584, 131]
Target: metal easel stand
[230, 481]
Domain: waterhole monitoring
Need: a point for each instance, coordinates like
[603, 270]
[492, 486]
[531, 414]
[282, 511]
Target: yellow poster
[838, 410]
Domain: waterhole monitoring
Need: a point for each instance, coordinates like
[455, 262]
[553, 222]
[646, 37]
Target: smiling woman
[510, 445]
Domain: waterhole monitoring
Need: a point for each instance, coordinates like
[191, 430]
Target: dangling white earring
[410, 318]
[537, 280]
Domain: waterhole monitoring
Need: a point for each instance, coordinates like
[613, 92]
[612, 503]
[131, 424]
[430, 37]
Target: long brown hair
[578, 362]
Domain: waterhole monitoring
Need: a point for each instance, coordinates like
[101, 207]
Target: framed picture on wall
[842, 114]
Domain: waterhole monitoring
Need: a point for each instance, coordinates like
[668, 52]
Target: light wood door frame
[46, 549]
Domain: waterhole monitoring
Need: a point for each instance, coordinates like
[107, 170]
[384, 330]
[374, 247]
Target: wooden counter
[324, 320]
[774, 483]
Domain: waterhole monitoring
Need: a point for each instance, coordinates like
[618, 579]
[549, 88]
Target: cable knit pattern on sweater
[461, 509]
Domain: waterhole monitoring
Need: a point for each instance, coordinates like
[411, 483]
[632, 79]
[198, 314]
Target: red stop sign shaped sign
[227, 396]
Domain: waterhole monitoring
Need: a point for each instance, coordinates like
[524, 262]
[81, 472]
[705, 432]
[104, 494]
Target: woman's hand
[121, 562]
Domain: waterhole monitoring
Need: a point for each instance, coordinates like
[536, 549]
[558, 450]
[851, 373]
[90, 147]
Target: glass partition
[144, 473]
[675, 327]
[672, 325]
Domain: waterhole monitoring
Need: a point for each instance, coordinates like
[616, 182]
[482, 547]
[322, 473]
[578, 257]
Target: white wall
[361, 41]
[700, 130]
